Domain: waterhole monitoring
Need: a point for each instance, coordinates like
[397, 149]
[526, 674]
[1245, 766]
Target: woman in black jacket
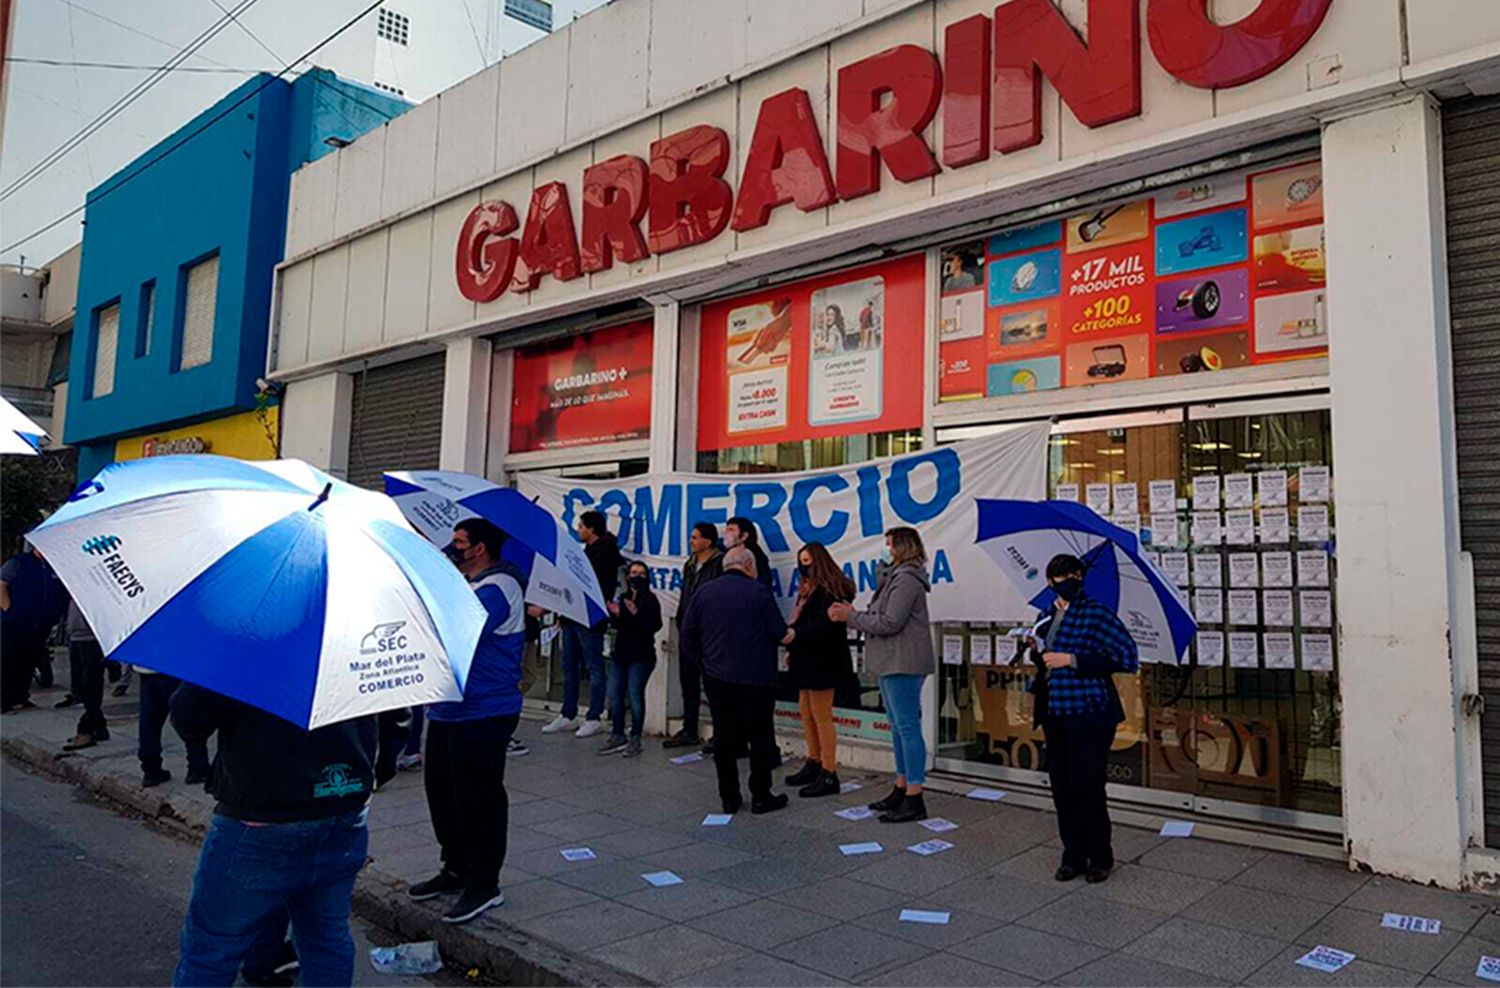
[817, 663]
[637, 618]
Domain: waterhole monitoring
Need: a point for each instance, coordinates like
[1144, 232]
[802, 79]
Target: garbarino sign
[987, 86]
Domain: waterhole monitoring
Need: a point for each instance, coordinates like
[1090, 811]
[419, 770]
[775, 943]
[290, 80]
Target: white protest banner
[848, 509]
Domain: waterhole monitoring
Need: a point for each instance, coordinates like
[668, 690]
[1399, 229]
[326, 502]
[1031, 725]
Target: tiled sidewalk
[771, 901]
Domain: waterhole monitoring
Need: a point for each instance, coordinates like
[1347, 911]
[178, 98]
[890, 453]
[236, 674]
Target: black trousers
[743, 715]
[86, 681]
[156, 708]
[1077, 759]
[20, 649]
[690, 676]
[464, 771]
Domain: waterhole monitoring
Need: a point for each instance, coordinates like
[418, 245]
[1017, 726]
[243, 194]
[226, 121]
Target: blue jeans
[902, 694]
[628, 680]
[583, 645]
[252, 876]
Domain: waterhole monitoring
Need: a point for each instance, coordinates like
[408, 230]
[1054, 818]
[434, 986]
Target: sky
[48, 104]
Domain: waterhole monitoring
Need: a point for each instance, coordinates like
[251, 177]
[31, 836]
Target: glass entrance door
[1248, 726]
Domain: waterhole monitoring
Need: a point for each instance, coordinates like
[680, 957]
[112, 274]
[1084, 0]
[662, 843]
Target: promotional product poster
[1223, 272]
[809, 360]
[847, 509]
[590, 388]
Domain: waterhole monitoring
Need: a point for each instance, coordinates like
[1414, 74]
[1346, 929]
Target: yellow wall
[247, 436]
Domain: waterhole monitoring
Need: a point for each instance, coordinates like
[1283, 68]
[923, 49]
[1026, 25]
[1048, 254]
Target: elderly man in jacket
[732, 629]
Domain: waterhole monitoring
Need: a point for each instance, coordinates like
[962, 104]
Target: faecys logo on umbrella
[987, 86]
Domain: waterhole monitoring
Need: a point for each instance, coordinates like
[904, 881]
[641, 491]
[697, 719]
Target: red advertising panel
[838, 355]
[585, 389]
[1221, 273]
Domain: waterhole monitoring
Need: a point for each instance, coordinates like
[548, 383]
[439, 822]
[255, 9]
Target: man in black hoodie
[288, 838]
[585, 646]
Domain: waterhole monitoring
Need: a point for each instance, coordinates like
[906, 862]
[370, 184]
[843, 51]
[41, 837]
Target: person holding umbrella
[1083, 644]
[466, 741]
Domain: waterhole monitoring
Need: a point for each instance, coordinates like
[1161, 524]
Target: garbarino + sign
[987, 86]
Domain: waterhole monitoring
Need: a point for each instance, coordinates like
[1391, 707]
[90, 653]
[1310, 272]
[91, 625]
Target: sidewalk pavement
[770, 900]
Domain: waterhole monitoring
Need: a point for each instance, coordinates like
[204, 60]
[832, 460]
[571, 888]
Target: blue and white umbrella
[560, 577]
[1023, 536]
[270, 582]
[18, 434]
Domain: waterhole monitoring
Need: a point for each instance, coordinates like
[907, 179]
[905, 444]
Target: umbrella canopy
[1023, 536]
[18, 434]
[560, 577]
[268, 582]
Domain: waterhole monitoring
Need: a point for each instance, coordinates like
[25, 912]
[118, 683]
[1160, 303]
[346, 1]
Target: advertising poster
[584, 389]
[808, 360]
[963, 268]
[845, 381]
[1291, 261]
[758, 350]
[1124, 358]
[1186, 305]
[1025, 277]
[1209, 241]
[1220, 273]
[962, 317]
[1022, 376]
[1202, 354]
[962, 370]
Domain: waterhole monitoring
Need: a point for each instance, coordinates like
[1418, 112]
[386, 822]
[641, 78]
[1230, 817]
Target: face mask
[639, 582]
[804, 569]
[885, 556]
[1068, 589]
[454, 553]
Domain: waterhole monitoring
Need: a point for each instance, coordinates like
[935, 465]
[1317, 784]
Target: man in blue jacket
[466, 741]
[732, 630]
[1084, 643]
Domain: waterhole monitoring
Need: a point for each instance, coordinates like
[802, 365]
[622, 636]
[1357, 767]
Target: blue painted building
[179, 250]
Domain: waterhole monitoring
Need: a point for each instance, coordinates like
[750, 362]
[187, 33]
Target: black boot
[891, 802]
[826, 784]
[809, 772]
[911, 808]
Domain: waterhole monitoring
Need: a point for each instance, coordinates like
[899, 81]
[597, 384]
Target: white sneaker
[589, 729]
[560, 724]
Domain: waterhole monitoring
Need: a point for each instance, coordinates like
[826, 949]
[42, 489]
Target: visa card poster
[1220, 273]
[817, 358]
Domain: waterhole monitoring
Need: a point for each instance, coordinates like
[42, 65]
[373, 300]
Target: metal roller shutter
[398, 419]
[1471, 161]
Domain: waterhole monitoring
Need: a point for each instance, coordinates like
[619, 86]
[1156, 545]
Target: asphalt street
[90, 897]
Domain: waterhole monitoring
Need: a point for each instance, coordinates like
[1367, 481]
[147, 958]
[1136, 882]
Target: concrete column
[466, 406]
[1406, 795]
[316, 415]
[663, 694]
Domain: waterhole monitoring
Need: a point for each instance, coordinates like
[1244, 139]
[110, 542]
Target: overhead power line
[195, 132]
[117, 107]
[126, 66]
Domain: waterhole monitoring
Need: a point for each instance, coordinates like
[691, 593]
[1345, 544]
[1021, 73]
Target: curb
[502, 952]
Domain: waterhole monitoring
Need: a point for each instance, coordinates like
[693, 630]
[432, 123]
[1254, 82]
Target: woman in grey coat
[898, 649]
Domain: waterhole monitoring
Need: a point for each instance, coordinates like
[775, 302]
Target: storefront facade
[874, 228]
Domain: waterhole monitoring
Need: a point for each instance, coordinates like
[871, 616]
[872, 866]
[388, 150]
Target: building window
[389, 89]
[199, 302]
[106, 346]
[392, 26]
[147, 321]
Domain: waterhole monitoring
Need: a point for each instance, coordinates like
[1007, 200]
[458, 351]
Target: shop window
[393, 26]
[200, 300]
[1237, 511]
[1222, 273]
[106, 347]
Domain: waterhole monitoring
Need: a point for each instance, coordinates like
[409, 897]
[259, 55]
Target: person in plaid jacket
[1083, 643]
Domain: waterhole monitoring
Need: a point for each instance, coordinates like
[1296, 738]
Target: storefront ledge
[503, 953]
[1482, 869]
